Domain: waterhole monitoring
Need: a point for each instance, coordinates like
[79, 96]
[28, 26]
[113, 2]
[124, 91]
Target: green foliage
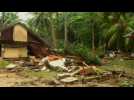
[85, 53]
[126, 83]
[3, 63]
[108, 29]
[92, 59]
[8, 18]
[100, 51]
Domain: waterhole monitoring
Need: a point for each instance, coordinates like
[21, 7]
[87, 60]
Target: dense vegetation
[87, 34]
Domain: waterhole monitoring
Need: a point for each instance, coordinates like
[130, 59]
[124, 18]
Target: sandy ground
[8, 79]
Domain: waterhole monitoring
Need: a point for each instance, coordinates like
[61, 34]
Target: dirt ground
[11, 79]
[8, 79]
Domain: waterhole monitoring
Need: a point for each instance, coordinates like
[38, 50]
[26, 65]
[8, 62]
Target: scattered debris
[73, 68]
[76, 72]
[112, 55]
[60, 63]
[69, 80]
[121, 59]
[71, 71]
[90, 78]
[21, 63]
[11, 66]
[43, 61]
[107, 74]
[54, 62]
[64, 75]
[56, 82]
[43, 68]
[132, 55]
[93, 84]
[34, 60]
[28, 64]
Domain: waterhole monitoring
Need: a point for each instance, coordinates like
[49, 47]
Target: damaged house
[17, 41]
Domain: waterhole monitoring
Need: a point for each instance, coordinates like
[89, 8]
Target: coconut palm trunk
[65, 33]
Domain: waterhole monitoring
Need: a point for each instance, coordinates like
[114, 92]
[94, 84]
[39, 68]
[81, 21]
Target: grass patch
[126, 83]
[4, 63]
[120, 65]
[41, 74]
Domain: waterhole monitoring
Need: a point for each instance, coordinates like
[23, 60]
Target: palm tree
[8, 18]
[45, 22]
[65, 31]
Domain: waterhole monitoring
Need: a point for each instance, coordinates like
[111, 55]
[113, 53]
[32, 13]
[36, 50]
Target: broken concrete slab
[63, 75]
[58, 63]
[90, 78]
[69, 80]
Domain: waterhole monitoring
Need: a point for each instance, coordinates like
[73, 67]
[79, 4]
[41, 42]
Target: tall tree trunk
[53, 35]
[93, 38]
[54, 22]
[65, 33]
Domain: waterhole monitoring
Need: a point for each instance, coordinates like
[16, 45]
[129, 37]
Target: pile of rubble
[69, 69]
[51, 62]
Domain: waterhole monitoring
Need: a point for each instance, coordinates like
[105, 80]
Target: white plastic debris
[58, 63]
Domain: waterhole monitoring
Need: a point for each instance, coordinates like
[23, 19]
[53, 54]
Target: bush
[60, 44]
[100, 52]
[82, 51]
[91, 58]
[3, 63]
[85, 53]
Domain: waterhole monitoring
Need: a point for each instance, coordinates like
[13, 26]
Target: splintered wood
[20, 34]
